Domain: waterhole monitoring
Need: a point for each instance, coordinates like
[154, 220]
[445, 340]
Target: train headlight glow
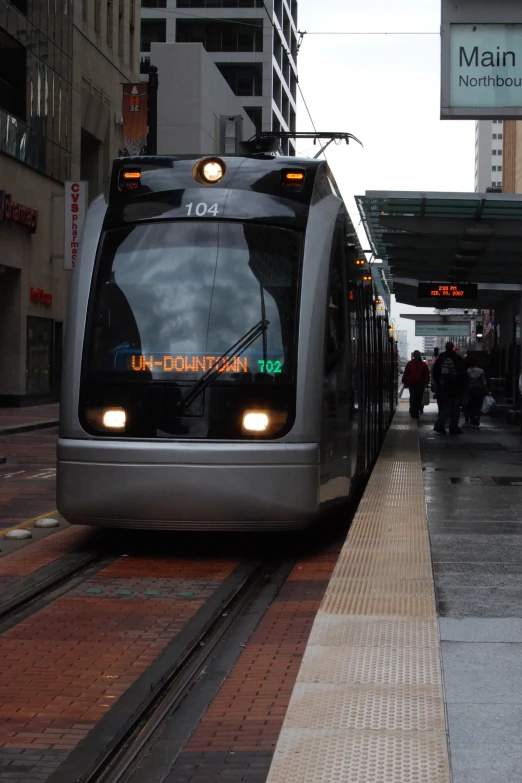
[255, 421]
[114, 419]
[209, 171]
[103, 419]
[212, 171]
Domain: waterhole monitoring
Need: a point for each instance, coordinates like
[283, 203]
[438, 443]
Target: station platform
[413, 669]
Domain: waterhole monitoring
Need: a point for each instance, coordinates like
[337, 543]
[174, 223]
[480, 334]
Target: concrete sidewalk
[36, 417]
[473, 487]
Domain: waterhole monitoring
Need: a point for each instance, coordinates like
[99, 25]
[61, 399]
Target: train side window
[335, 315]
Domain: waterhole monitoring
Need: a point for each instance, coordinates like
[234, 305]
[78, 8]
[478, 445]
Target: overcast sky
[385, 89]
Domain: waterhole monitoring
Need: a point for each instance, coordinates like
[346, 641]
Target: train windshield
[174, 300]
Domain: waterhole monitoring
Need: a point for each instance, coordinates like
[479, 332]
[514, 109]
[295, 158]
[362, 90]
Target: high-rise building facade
[252, 42]
[512, 172]
[489, 154]
[61, 68]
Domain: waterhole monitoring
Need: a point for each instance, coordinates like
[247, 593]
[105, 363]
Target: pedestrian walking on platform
[416, 377]
[449, 374]
[477, 390]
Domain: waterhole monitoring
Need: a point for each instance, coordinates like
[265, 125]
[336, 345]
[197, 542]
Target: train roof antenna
[265, 140]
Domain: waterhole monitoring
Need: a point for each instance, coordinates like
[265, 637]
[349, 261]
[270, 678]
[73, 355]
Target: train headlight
[209, 171]
[113, 419]
[255, 421]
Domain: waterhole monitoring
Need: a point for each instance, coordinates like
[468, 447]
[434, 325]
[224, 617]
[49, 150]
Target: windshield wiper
[235, 350]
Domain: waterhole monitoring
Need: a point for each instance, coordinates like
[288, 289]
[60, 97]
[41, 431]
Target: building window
[243, 79]
[97, 16]
[20, 5]
[499, 152]
[494, 135]
[493, 152]
[214, 3]
[132, 28]
[217, 36]
[153, 3]
[499, 168]
[121, 29]
[152, 31]
[493, 168]
[110, 14]
[500, 135]
[12, 76]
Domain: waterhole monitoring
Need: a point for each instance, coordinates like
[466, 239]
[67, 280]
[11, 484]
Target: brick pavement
[28, 479]
[236, 738]
[64, 667]
[36, 555]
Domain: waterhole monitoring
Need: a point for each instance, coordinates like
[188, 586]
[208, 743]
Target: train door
[364, 374]
[337, 386]
[356, 377]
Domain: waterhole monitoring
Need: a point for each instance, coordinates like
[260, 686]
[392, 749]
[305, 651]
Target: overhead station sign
[441, 291]
[442, 330]
[481, 60]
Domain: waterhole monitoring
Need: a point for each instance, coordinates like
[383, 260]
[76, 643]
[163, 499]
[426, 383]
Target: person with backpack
[416, 377]
[477, 390]
[449, 374]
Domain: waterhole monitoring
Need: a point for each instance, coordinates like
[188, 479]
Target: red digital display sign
[447, 291]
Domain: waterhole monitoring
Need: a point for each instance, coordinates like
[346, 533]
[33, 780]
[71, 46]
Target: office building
[512, 174]
[252, 42]
[489, 154]
[58, 122]
[199, 114]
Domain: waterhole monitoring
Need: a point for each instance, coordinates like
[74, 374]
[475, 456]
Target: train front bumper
[183, 486]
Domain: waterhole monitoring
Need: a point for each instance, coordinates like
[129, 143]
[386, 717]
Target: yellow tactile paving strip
[368, 704]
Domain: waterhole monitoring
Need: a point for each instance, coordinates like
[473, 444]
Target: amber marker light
[130, 179]
[255, 421]
[291, 178]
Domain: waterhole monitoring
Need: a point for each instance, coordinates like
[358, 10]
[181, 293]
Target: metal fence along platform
[368, 703]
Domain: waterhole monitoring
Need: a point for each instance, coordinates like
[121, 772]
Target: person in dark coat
[477, 390]
[416, 377]
[449, 374]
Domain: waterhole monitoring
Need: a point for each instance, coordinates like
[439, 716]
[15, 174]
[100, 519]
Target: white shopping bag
[487, 403]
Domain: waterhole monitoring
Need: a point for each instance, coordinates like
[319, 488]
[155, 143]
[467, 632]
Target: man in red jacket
[416, 377]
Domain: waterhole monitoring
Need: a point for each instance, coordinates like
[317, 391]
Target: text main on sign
[485, 66]
[438, 291]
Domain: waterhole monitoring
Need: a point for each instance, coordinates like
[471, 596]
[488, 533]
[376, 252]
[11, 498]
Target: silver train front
[208, 485]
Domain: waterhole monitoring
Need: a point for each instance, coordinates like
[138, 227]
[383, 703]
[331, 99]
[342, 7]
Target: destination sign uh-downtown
[482, 67]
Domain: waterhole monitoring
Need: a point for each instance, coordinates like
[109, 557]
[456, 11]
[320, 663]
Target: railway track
[163, 707]
[31, 593]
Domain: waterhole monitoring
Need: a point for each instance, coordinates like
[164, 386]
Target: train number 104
[201, 209]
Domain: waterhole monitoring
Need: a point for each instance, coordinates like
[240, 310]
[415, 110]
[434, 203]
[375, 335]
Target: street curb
[36, 425]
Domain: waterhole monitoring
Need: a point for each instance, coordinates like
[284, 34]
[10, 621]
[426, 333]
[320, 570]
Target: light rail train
[225, 365]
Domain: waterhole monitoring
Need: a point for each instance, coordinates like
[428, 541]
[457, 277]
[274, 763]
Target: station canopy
[446, 238]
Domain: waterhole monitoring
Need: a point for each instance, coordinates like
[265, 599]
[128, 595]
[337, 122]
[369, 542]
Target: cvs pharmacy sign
[75, 208]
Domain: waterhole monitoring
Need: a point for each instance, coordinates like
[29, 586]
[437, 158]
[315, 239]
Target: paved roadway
[28, 478]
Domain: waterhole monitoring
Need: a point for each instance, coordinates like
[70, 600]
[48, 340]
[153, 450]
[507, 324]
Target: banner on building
[134, 111]
[75, 208]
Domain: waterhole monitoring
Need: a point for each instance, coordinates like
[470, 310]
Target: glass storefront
[39, 355]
